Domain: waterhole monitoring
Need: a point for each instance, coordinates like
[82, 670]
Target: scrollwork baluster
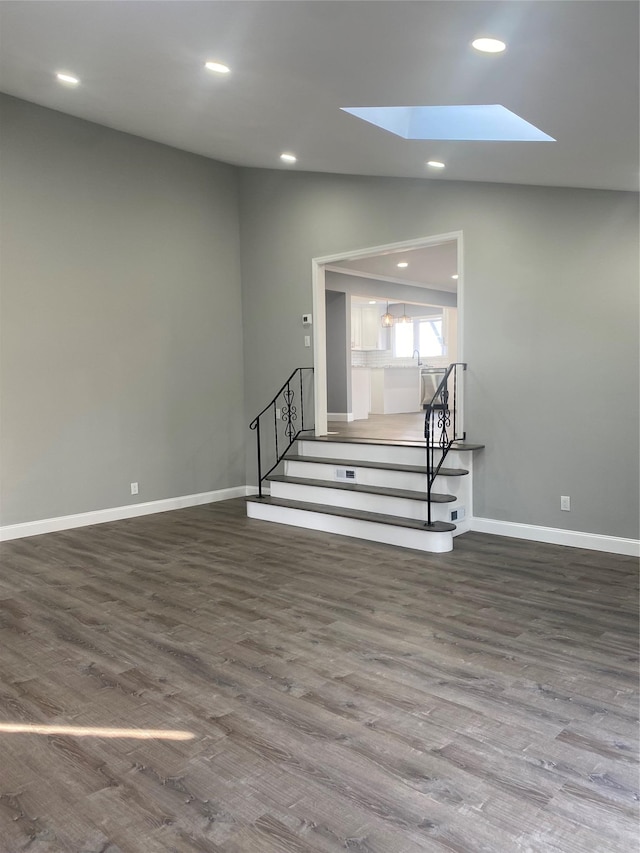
[289, 413]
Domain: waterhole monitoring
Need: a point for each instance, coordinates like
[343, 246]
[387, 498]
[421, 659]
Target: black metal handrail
[285, 426]
[442, 414]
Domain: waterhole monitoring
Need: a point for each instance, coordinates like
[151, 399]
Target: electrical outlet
[565, 503]
[134, 488]
[307, 340]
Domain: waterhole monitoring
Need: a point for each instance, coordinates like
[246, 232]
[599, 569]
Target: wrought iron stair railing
[282, 420]
[443, 424]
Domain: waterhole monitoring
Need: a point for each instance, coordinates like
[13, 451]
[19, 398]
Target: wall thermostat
[307, 319]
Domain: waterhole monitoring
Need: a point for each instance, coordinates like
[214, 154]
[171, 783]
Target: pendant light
[404, 319]
[387, 319]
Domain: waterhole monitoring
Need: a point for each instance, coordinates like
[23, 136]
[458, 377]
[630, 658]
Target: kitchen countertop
[388, 367]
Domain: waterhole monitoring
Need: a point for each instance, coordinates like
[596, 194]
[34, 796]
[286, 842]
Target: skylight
[477, 122]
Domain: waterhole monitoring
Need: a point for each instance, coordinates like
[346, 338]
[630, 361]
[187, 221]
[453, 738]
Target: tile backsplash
[384, 358]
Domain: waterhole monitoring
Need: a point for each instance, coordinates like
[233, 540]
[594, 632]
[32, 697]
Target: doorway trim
[320, 318]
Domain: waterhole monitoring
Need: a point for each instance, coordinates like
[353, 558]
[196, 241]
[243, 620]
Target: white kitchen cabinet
[360, 393]
[395, 390]
[370, 327]
[365, 327]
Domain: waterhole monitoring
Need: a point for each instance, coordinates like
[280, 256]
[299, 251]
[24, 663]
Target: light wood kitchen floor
[336, 695]
[407, 426]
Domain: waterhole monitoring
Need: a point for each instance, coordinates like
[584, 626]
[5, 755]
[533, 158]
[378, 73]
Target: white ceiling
[571, 69]
[428, 266]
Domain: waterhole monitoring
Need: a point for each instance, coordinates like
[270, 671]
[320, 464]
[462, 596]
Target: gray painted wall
[338, 353]
[550, 324]
[121, 336]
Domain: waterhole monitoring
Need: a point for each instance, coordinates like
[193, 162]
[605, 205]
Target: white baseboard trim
[558, 536]
[345, 417]
[100, 516]
[463, 526]
[532, 532]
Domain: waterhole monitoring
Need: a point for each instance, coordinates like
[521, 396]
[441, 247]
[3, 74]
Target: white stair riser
[385, 504]
[377, 453]
[375, 477]
[435, 543]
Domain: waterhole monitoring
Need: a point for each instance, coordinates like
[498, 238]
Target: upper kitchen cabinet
[365, 326]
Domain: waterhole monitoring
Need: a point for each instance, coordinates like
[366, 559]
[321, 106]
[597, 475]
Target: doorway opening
[371, 369]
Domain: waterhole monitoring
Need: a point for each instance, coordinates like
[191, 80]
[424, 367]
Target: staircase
[375, 490]
[400, 493]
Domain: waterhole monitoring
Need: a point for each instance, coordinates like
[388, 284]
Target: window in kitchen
[424, 335]
[430, 340]
[403, 334]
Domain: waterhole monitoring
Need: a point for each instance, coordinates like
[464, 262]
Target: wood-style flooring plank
[332, 694]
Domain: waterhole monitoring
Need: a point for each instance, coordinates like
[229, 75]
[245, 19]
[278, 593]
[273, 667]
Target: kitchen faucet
[418, 353]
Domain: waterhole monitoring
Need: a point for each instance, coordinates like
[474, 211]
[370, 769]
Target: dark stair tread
[363, 489]
[360, 515]
[386, 442]
[366, 463]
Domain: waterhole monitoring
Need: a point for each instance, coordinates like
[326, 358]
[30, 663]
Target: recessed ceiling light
[488, 45]
[455, 276]
[435, 164]
[288, 158]
[218, 67]
[403, 264]
[372, 302]
[69, 79]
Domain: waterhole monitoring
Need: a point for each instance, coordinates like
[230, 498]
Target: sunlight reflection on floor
[92, 731]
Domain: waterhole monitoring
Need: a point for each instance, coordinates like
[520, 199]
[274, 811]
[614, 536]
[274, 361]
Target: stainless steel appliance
[430, 378]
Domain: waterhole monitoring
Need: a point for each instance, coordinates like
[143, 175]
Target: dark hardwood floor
[336, 695]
